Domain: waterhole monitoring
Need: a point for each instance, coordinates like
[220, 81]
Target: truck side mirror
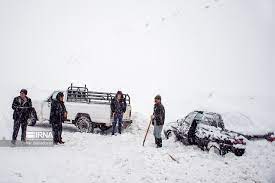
[49, 101]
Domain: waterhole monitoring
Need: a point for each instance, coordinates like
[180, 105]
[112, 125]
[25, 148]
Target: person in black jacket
[158, 119]
[57, 117]
[118, 108]
[22, 106]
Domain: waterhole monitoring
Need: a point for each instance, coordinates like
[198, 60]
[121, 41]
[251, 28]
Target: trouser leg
[55, 132]
[114, 125]
[16, 126]
[157, 134]
[60, 132]
[160, 142]
[24, 131]
[119, 124]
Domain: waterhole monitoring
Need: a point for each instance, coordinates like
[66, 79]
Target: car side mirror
[49, 103]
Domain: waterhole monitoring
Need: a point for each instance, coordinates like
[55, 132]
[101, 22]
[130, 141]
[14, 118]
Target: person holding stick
[158, 119]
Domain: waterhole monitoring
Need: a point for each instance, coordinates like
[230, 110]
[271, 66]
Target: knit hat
[24, 91]
[119, 93]
[158, 97]
[60, 94]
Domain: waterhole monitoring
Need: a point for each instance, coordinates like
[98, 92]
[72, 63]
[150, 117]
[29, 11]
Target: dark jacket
[118, 107]
[21, 108]
[58, 110]
[159, 114]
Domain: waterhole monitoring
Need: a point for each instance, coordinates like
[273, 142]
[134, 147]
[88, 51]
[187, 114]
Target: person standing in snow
[158, 119]
[57, 117]
[22, 106]
[118, 108]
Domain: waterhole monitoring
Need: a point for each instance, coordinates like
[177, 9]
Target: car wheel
[213, 147]
[168, 134]
[239, 152]
[215, 150]
[223, 152]
[85, 125]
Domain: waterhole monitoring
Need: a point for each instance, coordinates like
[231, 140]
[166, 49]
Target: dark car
[206, 130]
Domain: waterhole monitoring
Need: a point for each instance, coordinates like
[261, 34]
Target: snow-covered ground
[215, 55]
[103, 158]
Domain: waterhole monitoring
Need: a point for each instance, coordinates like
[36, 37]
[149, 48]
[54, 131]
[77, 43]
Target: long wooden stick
[147, 131]
[174, 159]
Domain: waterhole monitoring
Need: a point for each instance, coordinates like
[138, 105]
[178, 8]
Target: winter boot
[119, 127]
[156, 140]
[13, 142]
[159, 143]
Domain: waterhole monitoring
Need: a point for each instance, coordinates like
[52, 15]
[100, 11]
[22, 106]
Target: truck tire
[85, 125]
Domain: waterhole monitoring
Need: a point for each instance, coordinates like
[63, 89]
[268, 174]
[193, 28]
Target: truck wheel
[84, 124]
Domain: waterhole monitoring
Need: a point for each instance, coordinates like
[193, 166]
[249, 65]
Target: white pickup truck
[86, 109]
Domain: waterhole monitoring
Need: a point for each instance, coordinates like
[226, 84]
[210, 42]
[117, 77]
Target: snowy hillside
[214, 55]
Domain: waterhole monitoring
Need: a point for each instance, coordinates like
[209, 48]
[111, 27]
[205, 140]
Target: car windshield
[208, 119]
[190, 117]
[198, 117]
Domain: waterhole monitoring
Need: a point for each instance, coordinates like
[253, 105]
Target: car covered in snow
[206, 130]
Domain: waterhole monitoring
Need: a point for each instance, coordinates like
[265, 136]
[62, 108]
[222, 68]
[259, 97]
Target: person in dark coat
[118, 108]
[22, 106]
[158, 119]
[57, 117]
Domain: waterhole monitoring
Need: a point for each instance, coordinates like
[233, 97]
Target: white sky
[144, 47]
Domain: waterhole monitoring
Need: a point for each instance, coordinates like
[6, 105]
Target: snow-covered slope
[101, 158]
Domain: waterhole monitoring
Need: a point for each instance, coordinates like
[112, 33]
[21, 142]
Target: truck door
[46, 106]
